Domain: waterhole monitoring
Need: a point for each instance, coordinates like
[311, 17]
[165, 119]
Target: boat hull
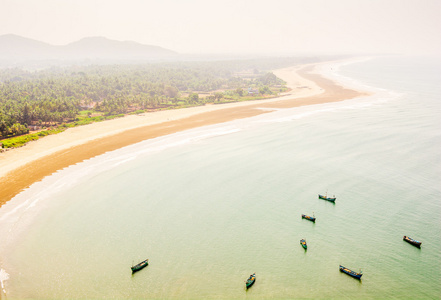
[140, 266]
[312, 219]
[303, 243]
[350, 272]
[251, 280]
[412, 241]
[250, 284]
[330, 199]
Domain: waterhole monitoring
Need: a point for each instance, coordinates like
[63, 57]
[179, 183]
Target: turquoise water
[210, 206]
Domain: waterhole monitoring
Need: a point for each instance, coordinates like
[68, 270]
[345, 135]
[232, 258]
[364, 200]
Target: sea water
[212, 205]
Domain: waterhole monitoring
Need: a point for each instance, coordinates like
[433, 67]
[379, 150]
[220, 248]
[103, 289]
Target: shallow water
[210, 206]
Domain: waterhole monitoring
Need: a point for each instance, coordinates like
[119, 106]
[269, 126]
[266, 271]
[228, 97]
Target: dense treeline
[57, 95]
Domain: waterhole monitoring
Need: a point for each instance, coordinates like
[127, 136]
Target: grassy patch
[21, 140]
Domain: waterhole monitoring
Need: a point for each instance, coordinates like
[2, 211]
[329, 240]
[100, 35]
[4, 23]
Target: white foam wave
[3, 277]
[331, 70]
[290, 114]
[129, 153]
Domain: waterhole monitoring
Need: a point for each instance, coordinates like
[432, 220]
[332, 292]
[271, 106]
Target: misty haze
[220, 149]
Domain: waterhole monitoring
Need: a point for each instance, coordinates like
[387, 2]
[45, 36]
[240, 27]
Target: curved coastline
[22, 167]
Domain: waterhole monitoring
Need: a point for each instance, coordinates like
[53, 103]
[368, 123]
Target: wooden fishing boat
[303, 243]
[250, 281]
[308, 218]
[412, 241]
[350, 272]
[140, 266]
[325, 197]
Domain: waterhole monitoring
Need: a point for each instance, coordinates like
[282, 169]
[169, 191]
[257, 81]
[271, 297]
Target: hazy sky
[235, 26]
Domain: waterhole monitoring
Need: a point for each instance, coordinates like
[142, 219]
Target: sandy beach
[20, 168]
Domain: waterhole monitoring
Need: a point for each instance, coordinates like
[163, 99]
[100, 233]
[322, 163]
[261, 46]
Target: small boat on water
[140, 266]
[325, 197]
[350, 272]
[250, 281]
[412, 241]
[303, 243]
[308, 218]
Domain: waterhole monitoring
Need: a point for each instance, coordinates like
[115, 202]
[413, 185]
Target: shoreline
[24, 166]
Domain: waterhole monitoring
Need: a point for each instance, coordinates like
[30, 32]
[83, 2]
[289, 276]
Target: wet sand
[20, 168]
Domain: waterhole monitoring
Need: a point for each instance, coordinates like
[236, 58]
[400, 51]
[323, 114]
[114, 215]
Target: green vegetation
[67, 97]
[21, 140]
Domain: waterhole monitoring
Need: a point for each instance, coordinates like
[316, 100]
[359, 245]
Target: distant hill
[14, 47]
[100, 47]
